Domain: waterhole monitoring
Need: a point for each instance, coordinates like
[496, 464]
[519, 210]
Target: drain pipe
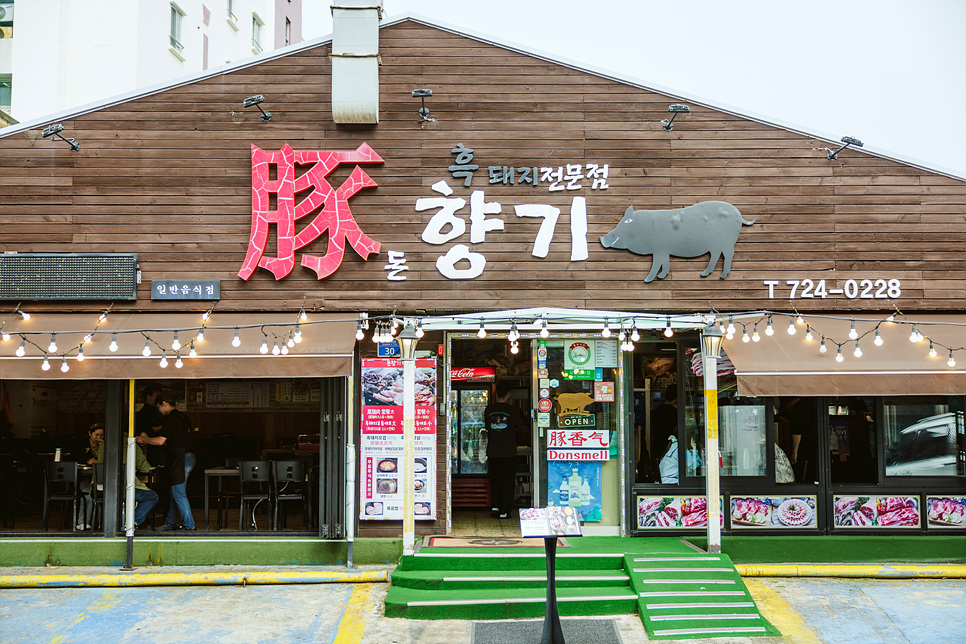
[350, 500]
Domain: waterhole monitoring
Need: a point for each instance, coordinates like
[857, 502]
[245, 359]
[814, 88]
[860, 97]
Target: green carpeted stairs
[679, 591]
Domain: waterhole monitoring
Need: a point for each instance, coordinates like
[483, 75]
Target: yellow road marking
[781, 614]
[77, 620]
[354, 618]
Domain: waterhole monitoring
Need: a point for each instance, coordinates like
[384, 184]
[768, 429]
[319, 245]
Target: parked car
[930, 447]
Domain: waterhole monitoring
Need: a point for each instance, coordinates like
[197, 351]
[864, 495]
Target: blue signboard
[389, 349]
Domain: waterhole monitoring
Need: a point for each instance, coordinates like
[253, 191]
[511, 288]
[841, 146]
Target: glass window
[924, 436]
[742, 436]
[175, 36]
[6, 90]
[693, 397]
[256, 33]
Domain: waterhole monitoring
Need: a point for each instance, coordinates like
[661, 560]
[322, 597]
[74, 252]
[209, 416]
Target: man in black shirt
[664, 422]
[502, 422]
[148, 421]
[174, 437]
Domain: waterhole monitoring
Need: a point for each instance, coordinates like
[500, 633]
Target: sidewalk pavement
[805, 610]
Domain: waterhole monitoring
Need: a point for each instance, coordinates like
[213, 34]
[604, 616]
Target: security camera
[52, 130]
[420, 93]
[253, 100]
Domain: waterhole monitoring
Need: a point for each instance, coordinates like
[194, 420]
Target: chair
[97, 495]
[254, 487]
[227, 491]
[288, 484]
[60, 486]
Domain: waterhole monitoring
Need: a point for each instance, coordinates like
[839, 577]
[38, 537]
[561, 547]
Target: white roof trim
[488, 39]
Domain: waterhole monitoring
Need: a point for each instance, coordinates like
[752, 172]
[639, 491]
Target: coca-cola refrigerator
[471, 394]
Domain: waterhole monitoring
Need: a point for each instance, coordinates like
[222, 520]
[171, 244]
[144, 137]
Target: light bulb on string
[264, 348]
[102, 316]
[808, 333]
[45, 365]
[206, 315]
[146, 351]
[80, 353]
[88, 337]
[952, 361]
[25, 316]
[302, 315]
[360, 334]
[878, 338]
[419, 329]
[284, 349]
[731, 325]
[22, 349]
[744, 334]
[606, 331]
[5, 336]
[52, 348]
[164, 360]
[853, 334]
[191, 351]
[544, 331]
[754, 334]
[514, 348]
[858, 350]
[914, 335]
[838, 355]
[932, 350]
[275, 348]
[201, 335]
[297, 336]
[769, 330]
[822, 348]
[290, 342]
[791, 327]
[630, 345]
[635, 336]
[514, 333]
[113, 346]
[64, 367]
[482, 332]
[799, 319]
[178, 362]
[668, 331]
[236, 341]
[377, 334]
[175, 342]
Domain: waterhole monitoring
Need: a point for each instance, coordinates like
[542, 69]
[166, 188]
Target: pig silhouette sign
[706, 227]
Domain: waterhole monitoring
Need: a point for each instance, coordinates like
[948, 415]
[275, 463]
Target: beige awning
[326, 348]
[783, 365]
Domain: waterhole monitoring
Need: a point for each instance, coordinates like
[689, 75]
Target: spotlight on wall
[847, 140]
[421, 94]
[256, 100]
[674, 109]
[55, 131]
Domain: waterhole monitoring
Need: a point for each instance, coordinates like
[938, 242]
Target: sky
[891, 73]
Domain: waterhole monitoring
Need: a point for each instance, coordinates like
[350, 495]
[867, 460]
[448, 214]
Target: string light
[177, 361]
[838, 355]
[191, 350]
[377, 334]
[858, 350]
[800, 319]
[207, 314]
[297, 336]
[544, 331]
[164, 360]
[302, 315]
[822, 348]
[6, 336]
[514, 348]
[808, 333]
[419, 329]
[275, 349]
[914, 335]
[744, 334]
[236, 341]
[952, 361]
[668, 331]
[932, 350]
[791, 327]
[514, 334]
[482, 332]
[113, 346]
[53, 343]
[754, 334]
[46, 364]
[103, 316]
[290, 342]
[25, 316]
[201, 335]
[284, 349]
[853, 334]
[175, 342]
[80, 353]
[606, 332]
[146, 351]
[635, 336]
[64, 367]
[88, 337]
[22, 349]
[264, 348]
[878, 338]
[769, 330]
[731, 325]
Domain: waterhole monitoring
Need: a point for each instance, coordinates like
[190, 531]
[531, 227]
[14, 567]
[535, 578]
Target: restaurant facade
[562, 230]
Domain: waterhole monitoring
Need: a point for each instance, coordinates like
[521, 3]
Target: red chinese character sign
[333, 215]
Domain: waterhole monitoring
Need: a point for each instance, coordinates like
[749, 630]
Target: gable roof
[631, 81]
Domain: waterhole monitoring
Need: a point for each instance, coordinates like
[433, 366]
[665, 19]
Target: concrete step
[498, 579]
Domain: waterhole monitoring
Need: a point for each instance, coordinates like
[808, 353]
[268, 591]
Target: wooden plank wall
[168, 176]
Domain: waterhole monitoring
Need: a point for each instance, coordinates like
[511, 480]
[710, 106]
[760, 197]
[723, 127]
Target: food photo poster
[773, 512]
[381, 441]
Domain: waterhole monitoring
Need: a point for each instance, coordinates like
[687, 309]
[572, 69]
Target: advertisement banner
[773, 512]
[876, 511]
[381, 440]
[946, 511]
[674, 512]
[575, 485]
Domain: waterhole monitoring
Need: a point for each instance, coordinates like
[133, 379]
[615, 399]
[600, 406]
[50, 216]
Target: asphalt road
[832, 611]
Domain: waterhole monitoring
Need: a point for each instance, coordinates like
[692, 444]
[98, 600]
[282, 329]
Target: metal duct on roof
[355, 60]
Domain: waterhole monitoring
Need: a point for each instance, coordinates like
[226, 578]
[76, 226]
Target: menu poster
[946, 511]
[674, 511]
[575, 484]
[549, 522]
[381, 440]
[773, 512]
[876, 511]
